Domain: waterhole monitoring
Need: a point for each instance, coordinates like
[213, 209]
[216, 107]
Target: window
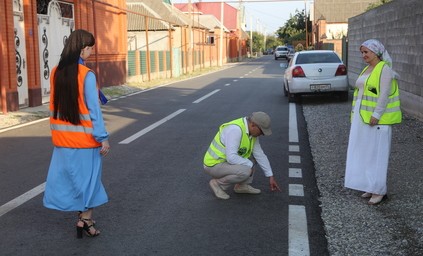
[210, 39]
[317, 58]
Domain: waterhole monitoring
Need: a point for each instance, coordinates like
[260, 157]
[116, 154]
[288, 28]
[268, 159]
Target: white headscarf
[380, 51]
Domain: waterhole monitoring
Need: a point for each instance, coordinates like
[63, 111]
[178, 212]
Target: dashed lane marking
[294, 148]
[298, 244]
[206, 96]
[297, 231]
[296, 190]
[7, 207]
[295, 173]
[293, 130]
[151, 127]
[294, 159]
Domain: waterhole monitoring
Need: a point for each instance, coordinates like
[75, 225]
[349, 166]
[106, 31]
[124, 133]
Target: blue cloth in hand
[102, 97]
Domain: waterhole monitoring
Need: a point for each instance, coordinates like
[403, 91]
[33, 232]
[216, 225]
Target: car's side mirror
[283, 65]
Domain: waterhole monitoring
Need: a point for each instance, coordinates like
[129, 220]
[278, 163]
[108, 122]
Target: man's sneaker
[218, 191]
[246, 189]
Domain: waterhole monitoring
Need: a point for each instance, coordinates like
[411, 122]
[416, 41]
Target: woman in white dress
[376, 107]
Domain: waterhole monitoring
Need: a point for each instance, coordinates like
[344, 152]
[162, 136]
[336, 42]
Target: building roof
[167, 16]
[136, 18]
[210, 22]
[230, 20]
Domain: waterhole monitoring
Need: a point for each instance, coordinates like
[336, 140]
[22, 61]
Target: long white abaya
[368, 152]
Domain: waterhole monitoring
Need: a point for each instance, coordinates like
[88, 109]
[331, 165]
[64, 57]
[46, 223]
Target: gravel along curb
[393, 227]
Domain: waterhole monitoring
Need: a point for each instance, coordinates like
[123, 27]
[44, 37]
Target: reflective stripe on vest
[66, 134]
[371, 89]
[216, 152]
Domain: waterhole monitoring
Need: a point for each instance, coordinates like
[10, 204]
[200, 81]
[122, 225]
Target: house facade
[164, 42]
[330, 21]
[32, 36]
[231, 20]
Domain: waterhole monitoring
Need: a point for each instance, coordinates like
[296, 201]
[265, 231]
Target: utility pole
[239, 26]
[251, 36]
[221, 35]
[306, 21]
[189, 59]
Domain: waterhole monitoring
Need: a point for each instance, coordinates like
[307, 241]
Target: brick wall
[9, 92]
[399, 26]
[106, 19]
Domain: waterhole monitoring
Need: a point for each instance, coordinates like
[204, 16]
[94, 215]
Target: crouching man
[234, 151]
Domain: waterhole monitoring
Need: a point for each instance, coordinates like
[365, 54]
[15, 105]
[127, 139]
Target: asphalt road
[160, 202]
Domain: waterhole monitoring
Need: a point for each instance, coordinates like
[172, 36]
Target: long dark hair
[65, 101]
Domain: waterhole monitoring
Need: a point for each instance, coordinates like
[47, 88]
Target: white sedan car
[318, 71]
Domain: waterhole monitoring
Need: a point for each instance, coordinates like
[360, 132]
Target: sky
[265, 16]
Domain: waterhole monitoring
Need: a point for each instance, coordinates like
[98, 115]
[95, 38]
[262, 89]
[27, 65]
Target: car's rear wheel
[343, 96]
[292, 97]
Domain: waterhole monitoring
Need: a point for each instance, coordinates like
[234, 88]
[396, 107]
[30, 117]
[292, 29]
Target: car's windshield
[282, 49]
[317, 58]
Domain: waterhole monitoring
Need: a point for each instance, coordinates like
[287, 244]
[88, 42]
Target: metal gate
[54, 27]
[20, 52]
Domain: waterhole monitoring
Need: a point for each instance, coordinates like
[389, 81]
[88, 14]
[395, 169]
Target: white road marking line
[293, 130]
[296, 190]
[151, 127]
[295, 173]
[7, 207]
[294, 148]
[297, 231]
[206, 96]
[294, 159]
[227, 84]
[235, 80]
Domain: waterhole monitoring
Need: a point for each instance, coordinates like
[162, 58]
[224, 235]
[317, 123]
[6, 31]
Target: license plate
[318, 87]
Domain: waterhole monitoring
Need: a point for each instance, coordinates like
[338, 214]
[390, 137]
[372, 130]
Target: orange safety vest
[66, 134]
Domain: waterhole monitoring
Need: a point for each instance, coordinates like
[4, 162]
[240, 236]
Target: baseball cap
[263, 121]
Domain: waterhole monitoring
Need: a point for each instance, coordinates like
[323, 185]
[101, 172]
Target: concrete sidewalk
[23, 116]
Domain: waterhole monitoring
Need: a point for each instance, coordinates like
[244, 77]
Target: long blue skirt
[74, 180]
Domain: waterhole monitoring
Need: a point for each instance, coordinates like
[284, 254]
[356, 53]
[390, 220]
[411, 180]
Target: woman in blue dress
[79, 136]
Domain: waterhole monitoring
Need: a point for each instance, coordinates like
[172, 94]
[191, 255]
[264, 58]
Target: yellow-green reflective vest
[216, 152]
[392, 114]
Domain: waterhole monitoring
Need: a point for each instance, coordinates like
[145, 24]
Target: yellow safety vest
[392, 114]
[216, 152]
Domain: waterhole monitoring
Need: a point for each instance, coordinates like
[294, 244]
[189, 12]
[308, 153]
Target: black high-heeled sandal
[79, 228]
[80, 217]
[88, 227]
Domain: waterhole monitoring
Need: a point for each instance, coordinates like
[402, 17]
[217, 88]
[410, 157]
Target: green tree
[377, 4]
[294, 28]
[258, 42]
[272, 42]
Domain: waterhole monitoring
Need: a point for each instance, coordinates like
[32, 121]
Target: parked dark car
[268, 52]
